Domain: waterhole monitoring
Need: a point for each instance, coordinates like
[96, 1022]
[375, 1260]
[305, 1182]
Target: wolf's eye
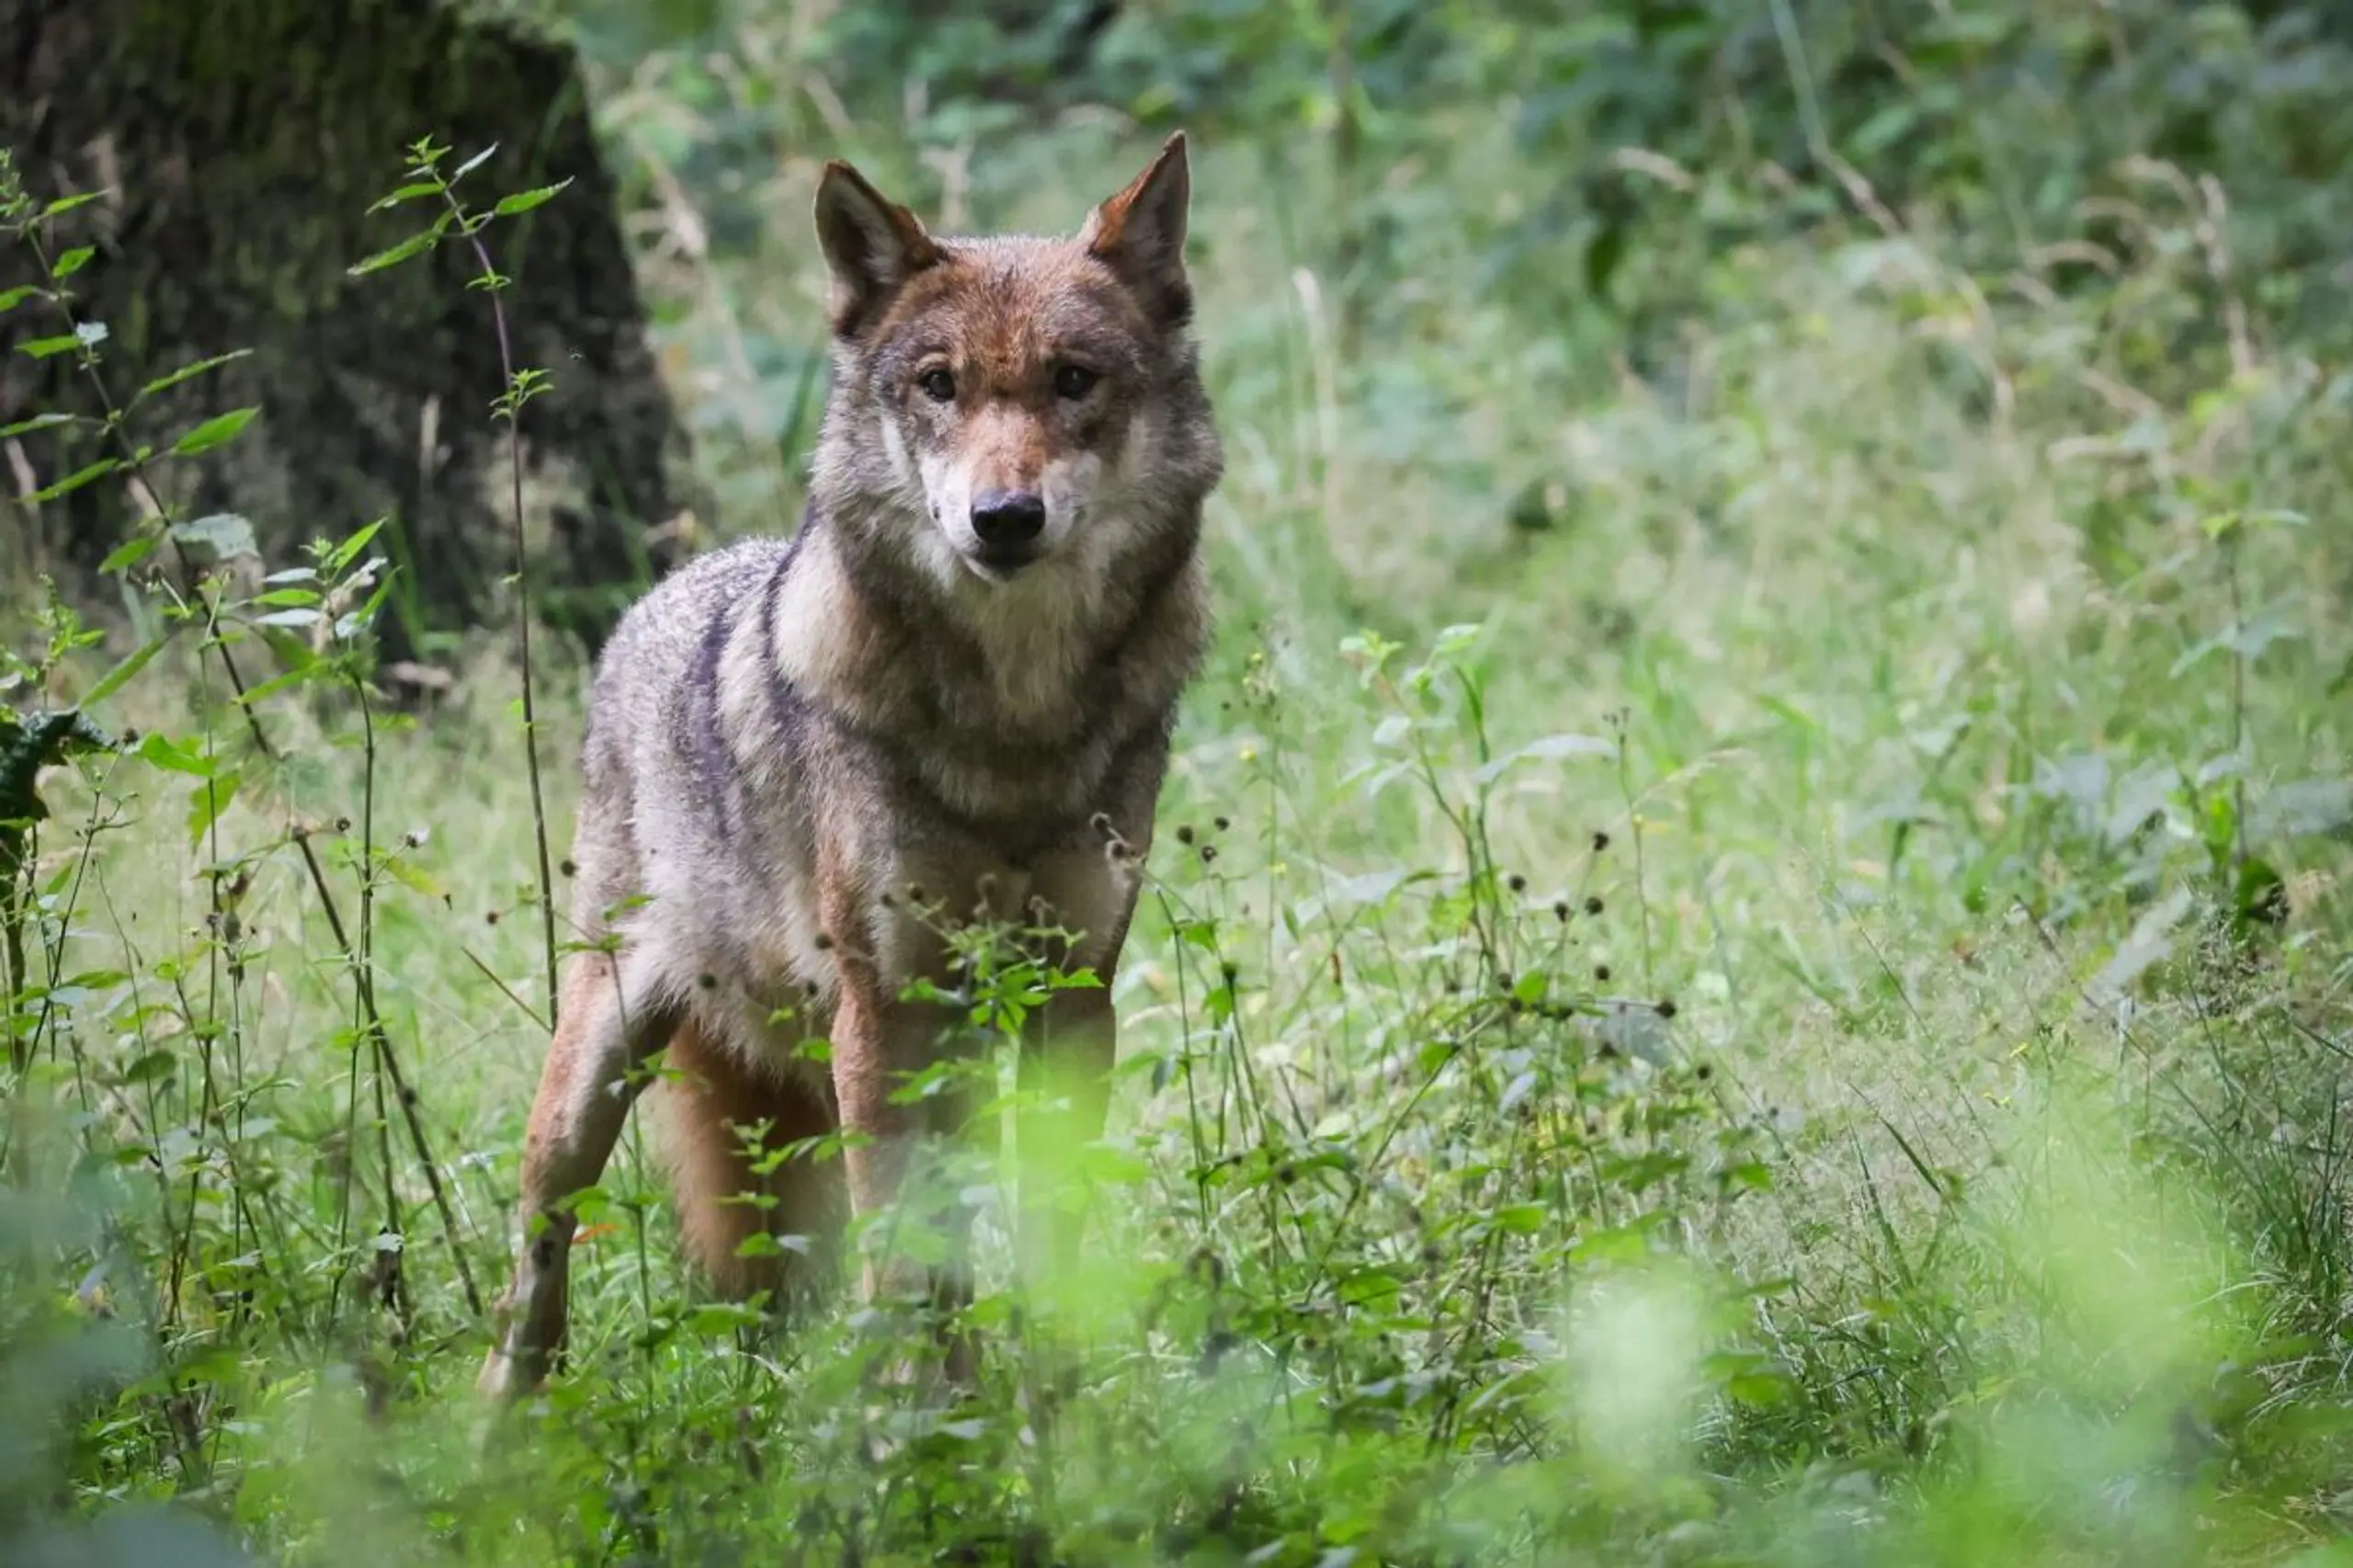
[937, 385]
[1075, 381]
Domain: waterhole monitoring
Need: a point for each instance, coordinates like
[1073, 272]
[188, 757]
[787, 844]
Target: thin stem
[373, 1022]
[511, 410]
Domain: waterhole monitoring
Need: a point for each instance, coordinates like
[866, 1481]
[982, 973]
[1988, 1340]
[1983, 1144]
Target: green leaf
[187, 372]
[353, 622]
[409, 192]
[37, 422]
[416, 243]
[721, 1317]
[217, 431]
[2261, 895]
[523, 200]
[11, 298]
[206, 803]
[73, 482]
[129, 553]
[1521, 1219]
[115, 679]
[155, 1064]
[2307, 808]
[159, 751]
[471, 164]
[224, 533]
[1111, 1167]
[1550, 748]
[295, 676]
[417, 881]
[343, 554]
[1369, 1288]
[72, 261]
[304, 616]
[49, 347]
[64, 204]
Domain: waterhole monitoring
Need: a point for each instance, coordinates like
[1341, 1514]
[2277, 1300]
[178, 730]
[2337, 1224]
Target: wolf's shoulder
[711, 588]
[717, 579]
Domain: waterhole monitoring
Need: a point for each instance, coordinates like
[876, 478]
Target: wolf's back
[655, 692]
[652, 655]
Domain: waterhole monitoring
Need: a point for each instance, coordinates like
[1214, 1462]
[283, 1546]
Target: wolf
[952, 690]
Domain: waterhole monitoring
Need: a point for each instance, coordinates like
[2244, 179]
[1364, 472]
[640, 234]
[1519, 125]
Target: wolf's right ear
[871, 245]
[1140, 232]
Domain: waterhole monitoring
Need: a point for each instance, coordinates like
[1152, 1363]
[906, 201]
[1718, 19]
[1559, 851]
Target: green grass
[1979, 1201]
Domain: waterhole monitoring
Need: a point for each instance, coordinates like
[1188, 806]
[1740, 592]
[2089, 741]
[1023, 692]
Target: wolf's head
[1003, 403]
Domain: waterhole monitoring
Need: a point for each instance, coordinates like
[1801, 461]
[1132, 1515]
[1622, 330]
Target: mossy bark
[241, 143]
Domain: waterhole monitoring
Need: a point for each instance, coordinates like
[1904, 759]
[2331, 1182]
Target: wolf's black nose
[1008, 516]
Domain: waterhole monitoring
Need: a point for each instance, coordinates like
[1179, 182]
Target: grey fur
[789, 737]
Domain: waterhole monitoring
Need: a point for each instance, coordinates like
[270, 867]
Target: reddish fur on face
[1003, 318]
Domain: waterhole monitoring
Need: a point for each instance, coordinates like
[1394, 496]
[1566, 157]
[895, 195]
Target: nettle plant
[128, 1050]
[1411, 1110]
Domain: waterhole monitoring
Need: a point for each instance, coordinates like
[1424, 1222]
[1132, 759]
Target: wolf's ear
[1140, 234]
[871, 245]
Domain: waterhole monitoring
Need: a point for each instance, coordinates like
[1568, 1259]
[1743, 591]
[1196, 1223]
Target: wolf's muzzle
[1006, 524]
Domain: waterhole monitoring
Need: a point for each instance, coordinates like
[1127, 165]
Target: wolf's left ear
[871, 245]
[1140, 234]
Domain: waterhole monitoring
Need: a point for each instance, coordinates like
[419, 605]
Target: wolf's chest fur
[820, 713]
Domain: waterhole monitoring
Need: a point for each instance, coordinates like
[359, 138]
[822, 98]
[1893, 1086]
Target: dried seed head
[1601, 973]
[1517, 882]
[1600, 841]
[1224, 822]
[1209, 853]
[1666, 1009]
[568, 866]
[1185, 833]
[825, 943]
[1561, 911]
[1593, 904]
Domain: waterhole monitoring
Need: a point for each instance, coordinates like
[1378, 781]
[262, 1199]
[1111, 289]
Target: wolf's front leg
[1067, 1051]
[876, 1043]
[610, 1023]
